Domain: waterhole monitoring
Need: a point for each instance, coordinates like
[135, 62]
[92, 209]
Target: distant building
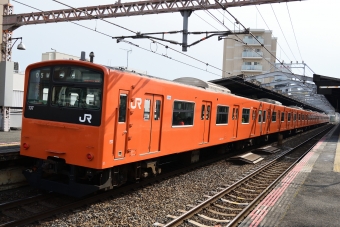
[251, 59]
[54, 55]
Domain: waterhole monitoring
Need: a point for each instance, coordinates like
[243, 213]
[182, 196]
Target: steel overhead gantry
[126, 9]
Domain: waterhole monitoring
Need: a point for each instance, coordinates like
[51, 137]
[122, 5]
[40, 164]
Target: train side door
[156, 119]
[253, 117]
[151, 126]
[235, 120]
[121, 125]
[269, 119]
[205, 121]
[259, 120]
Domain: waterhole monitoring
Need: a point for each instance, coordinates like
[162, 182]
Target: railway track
[32, 209]
[230, 205]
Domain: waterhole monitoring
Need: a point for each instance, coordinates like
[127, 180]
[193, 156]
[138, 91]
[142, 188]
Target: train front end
[61, 126]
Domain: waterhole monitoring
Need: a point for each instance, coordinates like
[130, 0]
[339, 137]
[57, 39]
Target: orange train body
[129, 118]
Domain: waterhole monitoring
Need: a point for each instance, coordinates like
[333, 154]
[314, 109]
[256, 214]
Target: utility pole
[127, 56]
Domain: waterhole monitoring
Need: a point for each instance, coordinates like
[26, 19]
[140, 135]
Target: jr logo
[30, 107]
[86, 116]
[138, 102]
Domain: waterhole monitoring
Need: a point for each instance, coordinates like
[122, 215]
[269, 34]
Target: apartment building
[251, 58]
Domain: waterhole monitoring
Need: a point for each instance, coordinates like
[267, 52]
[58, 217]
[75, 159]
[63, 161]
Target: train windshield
[58, 92]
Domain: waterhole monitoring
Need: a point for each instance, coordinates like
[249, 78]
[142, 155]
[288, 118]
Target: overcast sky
[315, 22]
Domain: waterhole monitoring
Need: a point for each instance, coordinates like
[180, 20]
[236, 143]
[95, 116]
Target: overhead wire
[269, 29]
[102, 33]
[207, 64]
[206, 21]
[147, 49]
[237, 21]
[297, 44]
[282, 32]
[241, 41]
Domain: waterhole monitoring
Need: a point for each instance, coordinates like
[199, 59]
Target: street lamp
[127, 56]
[21, 46]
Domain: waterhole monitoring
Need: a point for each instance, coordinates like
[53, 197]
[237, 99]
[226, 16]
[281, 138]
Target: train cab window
[222, 115]
[69, 96]
[147, 109]
[183, 113]
[294, 117]
[157, 114]
[245, 116]
[38, 86]
[282, 117]
[122, 108]
[288, 117]
[264, 116]
[274, 117]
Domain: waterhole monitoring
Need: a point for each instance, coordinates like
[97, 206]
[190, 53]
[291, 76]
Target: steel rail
[104, 195]
[20, 202]
[182, 218]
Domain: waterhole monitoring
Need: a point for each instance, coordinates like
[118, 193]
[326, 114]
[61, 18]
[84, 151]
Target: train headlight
[89, 156]
[25, 145]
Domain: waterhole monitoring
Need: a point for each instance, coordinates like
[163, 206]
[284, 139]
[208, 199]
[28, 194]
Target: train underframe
[54, 174]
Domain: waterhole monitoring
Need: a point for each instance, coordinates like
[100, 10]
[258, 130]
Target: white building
[12, 90]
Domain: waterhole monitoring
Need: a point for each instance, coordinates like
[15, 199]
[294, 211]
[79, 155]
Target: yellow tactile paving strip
[336, 167]
[9, 144]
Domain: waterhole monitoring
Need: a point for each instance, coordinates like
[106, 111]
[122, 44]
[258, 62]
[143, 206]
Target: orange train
[93, 127]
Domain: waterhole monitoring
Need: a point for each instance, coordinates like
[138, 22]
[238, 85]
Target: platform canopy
[329, 87]
[239, 85]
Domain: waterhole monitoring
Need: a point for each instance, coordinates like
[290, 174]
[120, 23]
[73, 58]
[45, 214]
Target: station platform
[9, 145]
[309, 194]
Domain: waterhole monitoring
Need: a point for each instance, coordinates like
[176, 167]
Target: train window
[202, 112]
[260, 116]
[282, 117]
[183, 113]
[76, 74]
[299, 117]
[122, 108]
[147, 109]
[69, 96]
[245, 116]
[38, 86]
[157, 110]
[208, 112]
[274, 117]
[254, 114]
[294, 117]
[264, 116]
[222, 115]
[288, 117]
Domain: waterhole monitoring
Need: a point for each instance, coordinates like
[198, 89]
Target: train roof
[270, 101]
[191, 81]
